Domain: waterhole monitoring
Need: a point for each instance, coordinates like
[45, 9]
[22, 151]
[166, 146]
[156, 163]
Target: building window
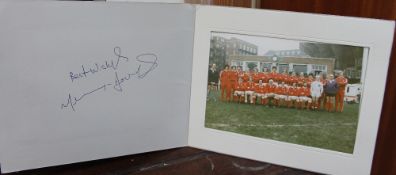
[319, 67]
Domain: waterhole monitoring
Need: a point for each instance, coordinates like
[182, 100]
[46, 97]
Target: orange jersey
[249, 86]
[233, 76]
[224, 75]
[260, 89]
[293, 79]
[245, 77]
[271, 88]
[304, 91]
[239, 87]
[263, 76]
[255, 77]
[284, 78]
[274, 76]
[309, 81]
[293, 91]
[240, 74]
[342, 82]
[281, 90]
[301, 80]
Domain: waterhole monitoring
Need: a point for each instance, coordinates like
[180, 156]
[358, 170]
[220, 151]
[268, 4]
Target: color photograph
[301, 92]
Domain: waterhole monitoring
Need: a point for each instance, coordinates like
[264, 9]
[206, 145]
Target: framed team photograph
[294, 91]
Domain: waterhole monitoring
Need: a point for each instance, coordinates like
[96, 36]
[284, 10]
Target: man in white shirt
[316, 91]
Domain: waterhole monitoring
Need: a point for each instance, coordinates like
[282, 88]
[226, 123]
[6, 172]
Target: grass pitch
[328, 130]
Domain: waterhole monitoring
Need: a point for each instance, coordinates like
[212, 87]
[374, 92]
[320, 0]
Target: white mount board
[43, 49]
[375, 35]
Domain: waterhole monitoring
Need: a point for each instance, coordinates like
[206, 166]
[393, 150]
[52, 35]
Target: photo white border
[377, 35]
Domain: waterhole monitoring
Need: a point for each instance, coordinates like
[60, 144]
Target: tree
[251, 65]
[345, 56]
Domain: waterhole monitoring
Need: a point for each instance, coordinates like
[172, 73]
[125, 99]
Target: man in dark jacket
[213, 79]
[330, 89]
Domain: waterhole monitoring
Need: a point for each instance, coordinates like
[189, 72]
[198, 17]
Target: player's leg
[342, 95]
[337, 103]
[296, 103]
[290, 101]
[301, 102]
[253, 98]
[264, 99]
[280, 100]
[309, 101]
[324, 100]
[222, 90]
[276, 99]
[327, 106]
[340, 101]
[234, 96]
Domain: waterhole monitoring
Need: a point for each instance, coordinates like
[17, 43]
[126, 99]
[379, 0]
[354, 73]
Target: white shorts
[259, 94]
[292, 98]
[305, 98]
[270, 95]
[282, 97]
[249, 92]
[239, 93]
[316, 94]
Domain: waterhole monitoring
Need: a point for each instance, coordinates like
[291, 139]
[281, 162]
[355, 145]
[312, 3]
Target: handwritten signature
[147, 62]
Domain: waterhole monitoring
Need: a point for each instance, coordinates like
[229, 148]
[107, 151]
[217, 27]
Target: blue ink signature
[99, 67]
[143, 60]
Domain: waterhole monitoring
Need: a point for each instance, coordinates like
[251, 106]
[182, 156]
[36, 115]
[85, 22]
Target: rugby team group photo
[294, 91]
[273, 89]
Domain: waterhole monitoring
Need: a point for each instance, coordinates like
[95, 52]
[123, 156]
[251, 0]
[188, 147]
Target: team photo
[300, 92]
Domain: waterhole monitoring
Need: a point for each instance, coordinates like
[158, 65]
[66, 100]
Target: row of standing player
[282, 89]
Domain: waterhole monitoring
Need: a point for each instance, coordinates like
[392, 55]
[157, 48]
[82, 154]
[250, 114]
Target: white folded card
[83, 81]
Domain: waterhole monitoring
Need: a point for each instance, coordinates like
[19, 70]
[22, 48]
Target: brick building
[222, 48]
[306, 65]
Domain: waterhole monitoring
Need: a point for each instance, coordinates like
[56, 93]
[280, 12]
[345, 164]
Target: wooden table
[183, 161]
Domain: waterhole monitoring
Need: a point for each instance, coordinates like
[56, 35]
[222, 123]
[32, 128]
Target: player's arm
[321, 88]
[345, 81]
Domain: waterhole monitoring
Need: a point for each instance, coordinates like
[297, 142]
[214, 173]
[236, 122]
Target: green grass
[329, 130]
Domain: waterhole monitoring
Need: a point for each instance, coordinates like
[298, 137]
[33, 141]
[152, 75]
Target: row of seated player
[228, 76]
[272, 94]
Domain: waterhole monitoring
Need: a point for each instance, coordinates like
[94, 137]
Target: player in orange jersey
[342, 82]
[322, 98]
[270, 94]
[259, 91]
[303, 98]
[292, 98]
[233, 79]
[281, 94]
[284, 77]
[255, 75]
[263, 77]
[246, 76]
[301, 79]
[224, 82]
[309, 80]
[239, 93]
[249, 91]
[273, 74]
[293, 78]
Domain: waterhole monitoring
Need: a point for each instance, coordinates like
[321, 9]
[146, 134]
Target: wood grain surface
[179, 161]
